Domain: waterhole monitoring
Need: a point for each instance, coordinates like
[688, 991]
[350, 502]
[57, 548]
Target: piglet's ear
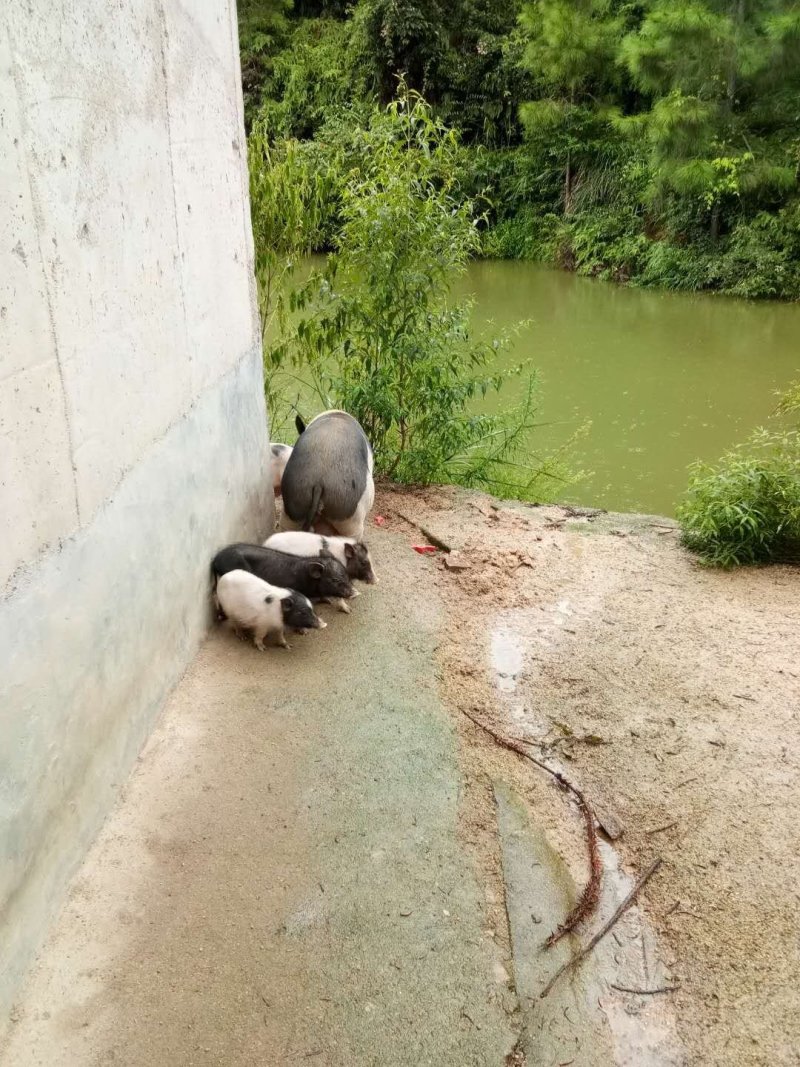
[316, 570]
[286, 605]
[349, 550]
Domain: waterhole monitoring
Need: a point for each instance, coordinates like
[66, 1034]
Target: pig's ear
[299, 424]
[349, 550]
[286, 605]
[317, 570]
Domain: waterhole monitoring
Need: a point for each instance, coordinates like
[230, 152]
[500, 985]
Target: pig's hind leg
[354, 526]
[287, 523]
[322, 526]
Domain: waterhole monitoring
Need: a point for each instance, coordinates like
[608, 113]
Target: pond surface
[664, 378]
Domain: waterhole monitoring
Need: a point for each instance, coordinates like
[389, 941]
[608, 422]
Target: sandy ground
[671, 693]
[320, 858]
[282, 881]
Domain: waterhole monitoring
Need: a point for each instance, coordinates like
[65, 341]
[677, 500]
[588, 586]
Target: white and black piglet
[352, 554]
[262, 610]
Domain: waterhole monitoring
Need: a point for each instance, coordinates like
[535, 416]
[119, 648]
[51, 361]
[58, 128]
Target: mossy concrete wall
[133, 436]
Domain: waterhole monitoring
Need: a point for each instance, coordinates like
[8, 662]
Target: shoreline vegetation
[652, 144]
[374, 330]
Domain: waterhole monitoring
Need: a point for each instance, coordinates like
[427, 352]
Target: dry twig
[604, 929]
[432, 538]
[661, 829]
[646, 992]
[587, 902]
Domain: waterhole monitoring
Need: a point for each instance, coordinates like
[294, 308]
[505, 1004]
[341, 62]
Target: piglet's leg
[337, 602]
[280, 639]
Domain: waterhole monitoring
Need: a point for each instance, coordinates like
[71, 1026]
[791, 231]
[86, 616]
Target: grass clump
[746, 508]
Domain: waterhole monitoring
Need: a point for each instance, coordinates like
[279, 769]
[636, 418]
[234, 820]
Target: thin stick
[588, 900]
[661, 829]
[646, 992]
[434, 540]
[601, 933]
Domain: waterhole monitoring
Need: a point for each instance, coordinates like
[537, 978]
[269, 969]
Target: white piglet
[255, 607]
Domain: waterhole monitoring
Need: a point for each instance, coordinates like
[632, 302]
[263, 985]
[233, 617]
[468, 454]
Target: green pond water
[661, 378]
[664, 378]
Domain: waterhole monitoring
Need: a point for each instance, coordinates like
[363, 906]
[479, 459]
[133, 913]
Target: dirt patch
[672, 694]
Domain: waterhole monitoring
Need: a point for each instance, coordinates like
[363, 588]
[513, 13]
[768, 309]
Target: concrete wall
[133, 435]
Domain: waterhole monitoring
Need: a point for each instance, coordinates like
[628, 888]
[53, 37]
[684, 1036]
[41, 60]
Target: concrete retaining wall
[133, 437]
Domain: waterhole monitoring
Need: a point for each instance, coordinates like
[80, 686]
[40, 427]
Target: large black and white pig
[329, 475]
[320, 577]
[262, 610]
[352, 554]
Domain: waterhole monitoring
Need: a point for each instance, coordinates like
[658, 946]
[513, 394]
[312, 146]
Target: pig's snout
[320, 623]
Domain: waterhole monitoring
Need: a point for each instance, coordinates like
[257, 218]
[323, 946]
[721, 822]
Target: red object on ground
[379, 520]
[424, 550]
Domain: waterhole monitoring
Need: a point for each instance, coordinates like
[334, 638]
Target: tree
[263, 27]
[479, 79]
[308, 81]
[398, 37]
[706, 67]
[570, 50]
[460, 54]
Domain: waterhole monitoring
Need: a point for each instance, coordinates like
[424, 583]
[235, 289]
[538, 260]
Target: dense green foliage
[655, 142]
[746, 509]
[289, 203]
[374, 330]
